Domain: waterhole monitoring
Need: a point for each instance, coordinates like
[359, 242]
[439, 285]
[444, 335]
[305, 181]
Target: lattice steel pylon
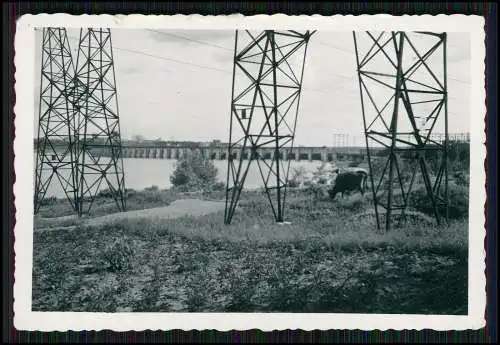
[267, 83]
[98, 124]
[56, 155]
[403, 88]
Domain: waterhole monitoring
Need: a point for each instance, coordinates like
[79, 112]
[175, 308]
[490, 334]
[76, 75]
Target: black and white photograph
[279, 169]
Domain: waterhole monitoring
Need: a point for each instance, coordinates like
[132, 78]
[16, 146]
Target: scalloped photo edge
[26, 319]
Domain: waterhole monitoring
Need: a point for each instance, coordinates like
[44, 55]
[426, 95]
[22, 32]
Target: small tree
[139, 138]
[194, 172]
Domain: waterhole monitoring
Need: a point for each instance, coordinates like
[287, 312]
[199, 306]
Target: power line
[324, 91]
[189, 39]
[351, 52]
[337, 48]
[206, 67]
[220, 47]
[164, 58]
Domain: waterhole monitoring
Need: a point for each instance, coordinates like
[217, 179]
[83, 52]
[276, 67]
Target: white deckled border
[24, 319]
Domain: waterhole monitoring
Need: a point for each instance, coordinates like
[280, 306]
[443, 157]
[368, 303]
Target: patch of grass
[59, 208]
[67, 221]
[345, 224]
[355, 203]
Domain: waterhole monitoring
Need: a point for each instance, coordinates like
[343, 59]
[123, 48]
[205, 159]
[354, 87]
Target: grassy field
[330, 258]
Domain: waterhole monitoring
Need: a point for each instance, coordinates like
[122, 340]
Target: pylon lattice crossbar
[267, 83]
[403, 88]
[55, 157]
[79, 113]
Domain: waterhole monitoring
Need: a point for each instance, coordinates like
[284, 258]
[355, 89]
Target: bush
[118, 254]
[194, 172]
[152, 189]
[461, 179]
[297, 177]
[318, 191]
[218, 186]
[105, 193]
[458, 201]
[459, 152]
[321, 175]
[49, 201]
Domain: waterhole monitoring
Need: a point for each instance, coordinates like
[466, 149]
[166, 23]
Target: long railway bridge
[324, 154]
[219, 151]
[301, 153]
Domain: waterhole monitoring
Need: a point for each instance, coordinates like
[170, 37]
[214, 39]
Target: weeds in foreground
[197, 291]
[100, 297]
[151, 291]
[118, 255]
[241, 282]
[310, 276]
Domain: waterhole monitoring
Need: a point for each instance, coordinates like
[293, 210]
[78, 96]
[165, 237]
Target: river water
[143, 173]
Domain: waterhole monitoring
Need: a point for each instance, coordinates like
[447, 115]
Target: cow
[351, 169]
[348, 181]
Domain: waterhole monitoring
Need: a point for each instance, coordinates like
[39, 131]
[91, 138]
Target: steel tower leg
[100, 162]
[55, 158]
[267, 82]
[401, 69]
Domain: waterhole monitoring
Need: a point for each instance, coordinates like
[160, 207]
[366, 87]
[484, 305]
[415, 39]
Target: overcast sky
[176, 89]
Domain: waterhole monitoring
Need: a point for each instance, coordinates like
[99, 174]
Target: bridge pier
[323, 155]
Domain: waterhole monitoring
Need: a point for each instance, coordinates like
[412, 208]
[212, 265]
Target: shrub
[241, 285]
[293, 183]
[218, 186]
[458, 201]
[461, 179]
[297, 176]
[151, 196]
[49, 201]
[105, 193]
[118, 254]
[459, 152]
[194, 172]
[152, 189]
[130, 192]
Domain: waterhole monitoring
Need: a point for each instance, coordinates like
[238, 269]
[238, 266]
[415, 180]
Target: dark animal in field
[351, 169]
[349, 181]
